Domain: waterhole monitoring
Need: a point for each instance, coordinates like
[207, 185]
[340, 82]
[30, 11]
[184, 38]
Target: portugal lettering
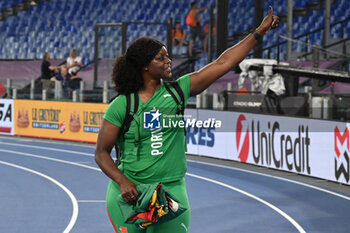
[156, 142]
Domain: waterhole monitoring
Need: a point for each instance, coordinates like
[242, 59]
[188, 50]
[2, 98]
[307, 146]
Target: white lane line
[205, 163]
[46, 141]
[275, 177]
[49, 158]
[291, 220]
[286, 216]
[69, 193]
[84, 162]
[48, 148]
[92, 201]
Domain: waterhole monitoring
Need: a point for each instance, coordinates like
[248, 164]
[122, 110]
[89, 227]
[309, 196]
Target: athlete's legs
[114, 212]
[181, 223]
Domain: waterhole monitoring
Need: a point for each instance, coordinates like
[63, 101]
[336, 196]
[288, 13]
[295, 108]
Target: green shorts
[177, 225]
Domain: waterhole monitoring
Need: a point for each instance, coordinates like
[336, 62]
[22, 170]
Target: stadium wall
[311, 147]
[318, 148]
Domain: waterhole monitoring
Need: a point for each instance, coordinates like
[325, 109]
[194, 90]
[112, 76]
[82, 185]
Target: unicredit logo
[242, 148]
[268, 145]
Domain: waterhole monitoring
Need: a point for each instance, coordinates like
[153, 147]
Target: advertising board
[58, 120]
[6, 117]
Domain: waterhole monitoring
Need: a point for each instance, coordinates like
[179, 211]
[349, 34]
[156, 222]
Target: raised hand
[269, 22]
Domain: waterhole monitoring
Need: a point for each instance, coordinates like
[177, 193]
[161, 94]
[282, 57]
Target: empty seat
[74, 19]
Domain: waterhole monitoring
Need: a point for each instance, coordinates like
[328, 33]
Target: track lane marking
[213, 165]
[286, 216]
[49, 158]
[92, 201]
[276, 177]
[209, 164]
[48, 148]
[69, 193]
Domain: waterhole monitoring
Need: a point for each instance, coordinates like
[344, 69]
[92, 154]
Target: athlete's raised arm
[202, 79]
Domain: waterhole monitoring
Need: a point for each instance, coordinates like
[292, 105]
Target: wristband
[257, 35]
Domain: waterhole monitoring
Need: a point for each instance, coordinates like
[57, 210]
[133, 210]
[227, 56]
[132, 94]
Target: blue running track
[53, 186]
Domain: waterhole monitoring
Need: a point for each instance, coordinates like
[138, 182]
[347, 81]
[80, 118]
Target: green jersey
[161, 151]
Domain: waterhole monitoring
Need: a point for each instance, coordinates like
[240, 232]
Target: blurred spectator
[74, 62]
[213, 39]
[194, 22]
[179, 40]
[179, 35]
[74, 83]
[47, 71]
[206, 29]
[64, 77]
[33, 3]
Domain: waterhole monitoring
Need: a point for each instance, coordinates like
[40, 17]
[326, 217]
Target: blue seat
[75, 19]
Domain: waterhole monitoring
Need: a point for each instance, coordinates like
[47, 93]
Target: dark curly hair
[127, 68]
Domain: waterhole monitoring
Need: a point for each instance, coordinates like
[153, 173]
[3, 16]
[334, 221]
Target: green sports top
[161, 151]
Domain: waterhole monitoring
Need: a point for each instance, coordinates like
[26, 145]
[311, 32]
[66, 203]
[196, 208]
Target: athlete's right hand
[128, 191]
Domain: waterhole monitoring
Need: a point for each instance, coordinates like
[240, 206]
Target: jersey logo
[151, 120]
[166, 95]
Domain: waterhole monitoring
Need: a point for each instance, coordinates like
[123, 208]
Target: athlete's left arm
[202, 79]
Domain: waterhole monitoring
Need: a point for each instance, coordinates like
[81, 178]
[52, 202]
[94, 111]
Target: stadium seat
[74, 19]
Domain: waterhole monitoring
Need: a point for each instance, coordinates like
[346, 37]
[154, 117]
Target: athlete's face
[160, 66]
